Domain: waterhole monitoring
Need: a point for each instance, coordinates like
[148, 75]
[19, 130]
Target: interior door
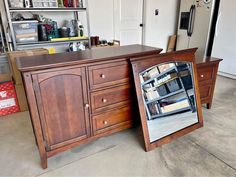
[183, 38]
[127, 19]
[61, 96]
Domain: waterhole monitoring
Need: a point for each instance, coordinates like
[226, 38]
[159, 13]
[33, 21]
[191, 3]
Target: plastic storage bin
[173, 85]
[45, 3]
[26, 31]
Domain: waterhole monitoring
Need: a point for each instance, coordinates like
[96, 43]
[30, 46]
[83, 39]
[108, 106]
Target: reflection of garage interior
[86, 86]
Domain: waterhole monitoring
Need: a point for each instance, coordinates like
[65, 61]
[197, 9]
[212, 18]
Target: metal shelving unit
[157, 101]
[76, 11]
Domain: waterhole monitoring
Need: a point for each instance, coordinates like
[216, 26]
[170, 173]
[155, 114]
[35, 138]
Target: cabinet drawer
[205, 92]
[108, 74]
[110, 98]
[205, 73]
[112, 119]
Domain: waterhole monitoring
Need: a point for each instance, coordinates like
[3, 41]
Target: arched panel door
[63, 106]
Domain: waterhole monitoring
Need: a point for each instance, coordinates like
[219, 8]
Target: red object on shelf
[8, 99]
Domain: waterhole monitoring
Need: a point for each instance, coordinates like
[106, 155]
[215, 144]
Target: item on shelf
[42, 32]
[76, 46]
[64, 32]
[162, 91]
[179, 104]
[52, 30]
[60, 3]
[45, 3]
[151, 94]
[16, 3]
[70, 24]
[26, 31]
[173, 85]
[80, 4]
[27, 3]
[68, 3]
[164, 67]
[151, 73]
[8, 99]
[153, 109]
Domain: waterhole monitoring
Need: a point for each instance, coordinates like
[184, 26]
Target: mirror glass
[169, 98]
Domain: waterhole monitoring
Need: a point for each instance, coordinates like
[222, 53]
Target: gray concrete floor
[209, 151]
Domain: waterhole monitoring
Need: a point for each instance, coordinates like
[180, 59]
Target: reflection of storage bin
[187, 82]
[162, 90]
[26, 31]
[44, 3]
[173, 85]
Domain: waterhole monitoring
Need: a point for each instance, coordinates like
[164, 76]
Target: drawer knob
[87, 105]
[104, 100]
[103, 76]
[202, 76]
[105, 122]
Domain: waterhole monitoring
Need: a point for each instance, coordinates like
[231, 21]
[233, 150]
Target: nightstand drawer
[205, 73]
[110, 98]
[108, 74]
[112, 119]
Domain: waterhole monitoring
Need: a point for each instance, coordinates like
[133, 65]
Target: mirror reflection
[169, 98]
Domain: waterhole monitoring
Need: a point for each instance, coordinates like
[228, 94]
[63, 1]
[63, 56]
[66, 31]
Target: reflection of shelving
[175, 91]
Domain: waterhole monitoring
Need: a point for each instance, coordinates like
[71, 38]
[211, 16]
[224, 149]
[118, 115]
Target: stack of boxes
[12, 93]
[16, 75]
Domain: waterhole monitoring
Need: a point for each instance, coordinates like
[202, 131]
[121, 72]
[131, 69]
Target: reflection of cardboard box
[24, 53]
[20, 91]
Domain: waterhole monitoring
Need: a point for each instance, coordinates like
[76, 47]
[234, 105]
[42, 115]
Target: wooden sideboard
[77, 97]
[207, 72]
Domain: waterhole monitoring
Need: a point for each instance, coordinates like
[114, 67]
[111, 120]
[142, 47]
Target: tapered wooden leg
[209, 105]
[44, 162]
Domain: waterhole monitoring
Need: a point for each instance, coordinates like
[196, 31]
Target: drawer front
[110, 98]
[205, 93]
[112, 119]
[205, 73]
[108, 74]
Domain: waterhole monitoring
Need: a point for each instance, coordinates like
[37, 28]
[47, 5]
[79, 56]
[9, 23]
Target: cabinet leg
[209, 105]
[44, 162]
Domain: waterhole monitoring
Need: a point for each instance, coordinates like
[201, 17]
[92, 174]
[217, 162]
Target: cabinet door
[61, 97]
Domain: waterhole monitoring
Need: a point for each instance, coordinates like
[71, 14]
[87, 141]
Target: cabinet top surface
[88, 56]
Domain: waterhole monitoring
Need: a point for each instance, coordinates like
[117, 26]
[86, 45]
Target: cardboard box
[5, 78]
[21, 96]
[15, 54]
[8, 99]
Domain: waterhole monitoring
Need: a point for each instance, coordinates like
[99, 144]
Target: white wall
[101, 18]
[159, 28]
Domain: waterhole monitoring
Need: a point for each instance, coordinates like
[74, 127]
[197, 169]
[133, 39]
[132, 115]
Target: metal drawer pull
[202, 76]
[104, 100]
[105, 122]
[103, 76]
[87, 105]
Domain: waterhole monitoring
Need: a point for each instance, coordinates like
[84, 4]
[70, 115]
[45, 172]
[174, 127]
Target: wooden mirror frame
[142, 63]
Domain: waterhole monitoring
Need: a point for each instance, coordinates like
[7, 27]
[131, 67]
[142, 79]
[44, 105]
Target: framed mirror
[168, 96]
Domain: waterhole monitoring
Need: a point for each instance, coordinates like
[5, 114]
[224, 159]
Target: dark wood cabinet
[77, 97]
[61, 98]
[207, 72]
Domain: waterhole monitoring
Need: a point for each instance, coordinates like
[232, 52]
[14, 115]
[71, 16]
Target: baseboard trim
[227, 75]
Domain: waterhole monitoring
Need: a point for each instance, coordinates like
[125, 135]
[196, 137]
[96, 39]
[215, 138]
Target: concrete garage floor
[209, 151]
